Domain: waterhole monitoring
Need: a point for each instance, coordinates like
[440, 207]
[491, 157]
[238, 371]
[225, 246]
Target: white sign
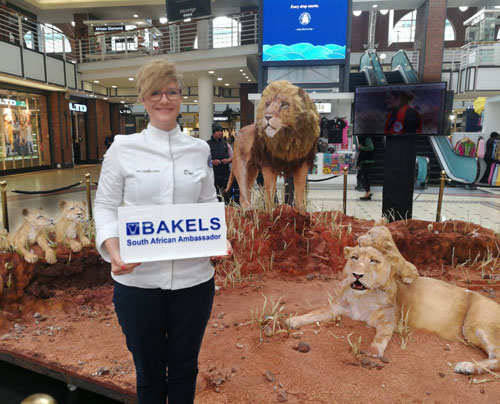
[166, 232]
[77, 107]
[323, 107]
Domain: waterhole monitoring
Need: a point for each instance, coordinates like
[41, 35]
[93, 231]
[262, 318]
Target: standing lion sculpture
[281, 142]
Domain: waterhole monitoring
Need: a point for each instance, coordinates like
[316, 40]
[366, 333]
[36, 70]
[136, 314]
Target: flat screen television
[304, 31]
[403, 109]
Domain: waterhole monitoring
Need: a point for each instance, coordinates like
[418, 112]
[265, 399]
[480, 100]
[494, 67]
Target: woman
[163, 307]
[401, 116]
[366, 159]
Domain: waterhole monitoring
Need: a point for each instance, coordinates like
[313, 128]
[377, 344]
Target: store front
[24, 127]
[78, 111]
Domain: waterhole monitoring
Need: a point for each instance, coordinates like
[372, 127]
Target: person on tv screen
[401, 116]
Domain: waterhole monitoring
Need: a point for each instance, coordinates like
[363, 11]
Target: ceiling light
[163, 20]
[113, 86]
[241, 70]
[227, 84]
[211, 72]
[187, 20]
[195, 100]
[96, 81]
[383, 56]
[135, 16]
[374, 6]
[72, 23]
[249, 80]
[123, 102]
[219, 78]
[356, 13]
[384, 12]
[131, 78]
[105, 98]
[185, 97]
[463, 8]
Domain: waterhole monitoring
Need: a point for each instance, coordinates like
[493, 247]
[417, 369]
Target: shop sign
[182, 9]
[125, 111]
[323, 107]
[12, 103]
[109, 28]
[220, 118]
[77, 107]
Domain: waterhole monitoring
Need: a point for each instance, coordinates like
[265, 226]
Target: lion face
[73, 210]
[37, 218]
[366, 268]
[282, 106]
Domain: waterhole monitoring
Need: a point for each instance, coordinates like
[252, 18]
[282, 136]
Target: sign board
[166, 232]
[12, 103]
[77, 107]
[323, 107]
[109, 28]
[125, 111]
[182, 9]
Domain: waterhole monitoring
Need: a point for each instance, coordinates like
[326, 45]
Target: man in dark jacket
[488, 155]
[221, 159]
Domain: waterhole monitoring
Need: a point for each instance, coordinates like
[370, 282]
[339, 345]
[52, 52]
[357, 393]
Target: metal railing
[206, 33]
[33, 35]
[480, 53]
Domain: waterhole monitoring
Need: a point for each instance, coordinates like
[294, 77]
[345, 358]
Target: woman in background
[366, 159]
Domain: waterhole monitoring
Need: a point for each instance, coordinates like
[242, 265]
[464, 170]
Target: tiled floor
[481, 206]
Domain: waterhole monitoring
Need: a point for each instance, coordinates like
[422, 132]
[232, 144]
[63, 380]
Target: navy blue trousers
[164, 329]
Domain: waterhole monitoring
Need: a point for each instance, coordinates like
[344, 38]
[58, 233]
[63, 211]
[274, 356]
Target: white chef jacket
[154, 167]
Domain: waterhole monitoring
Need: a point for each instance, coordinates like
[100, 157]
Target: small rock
[215, 325]
[481, 391]
[275, 388]
[37, 315]
[280, 385]
[268, 331]
[383, 386]
[102, 371]
[7, 337]
[355, 363]
[428, 393]
[492, 295]
[270, 376]
[384, 359]
[233, 370]
[239, 345]
[310, 277]
[441, 374]
[221, 315]
[447, 347]
[304, 347]
[282, 397]
[81, 363]
[380, 367]
[366, 362]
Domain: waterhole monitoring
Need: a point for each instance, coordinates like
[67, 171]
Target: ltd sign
[12, 103]
[77, 107]
[125, 111]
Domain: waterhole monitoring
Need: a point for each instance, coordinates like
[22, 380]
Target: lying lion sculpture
[281, 142]
[372, 293]
[69, 227]
[34, 229]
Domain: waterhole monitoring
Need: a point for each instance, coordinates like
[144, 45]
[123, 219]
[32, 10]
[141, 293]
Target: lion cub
[33, 230]
[70, 225]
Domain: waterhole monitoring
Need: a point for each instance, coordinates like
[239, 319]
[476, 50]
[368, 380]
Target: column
[205, 105]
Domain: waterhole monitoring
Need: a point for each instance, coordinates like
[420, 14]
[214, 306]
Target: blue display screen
[304, 30]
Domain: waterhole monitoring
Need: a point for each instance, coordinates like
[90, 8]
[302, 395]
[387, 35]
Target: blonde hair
[154, 75]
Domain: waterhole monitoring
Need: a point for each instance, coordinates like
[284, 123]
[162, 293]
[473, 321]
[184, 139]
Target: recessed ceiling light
[135, 16]
[374, 5]
[195, 100]
[219, 78]
[105, 98]
[356, 13]
[131, 78]
[123, 102]
[113, 86]
[241, 70]
[185, 96]
[211, 72]
[384, 12]
[163, 20]
[72, 23]
[227, 84]
[249, 80]
[187, 20]
[96, 81]
[463, 8]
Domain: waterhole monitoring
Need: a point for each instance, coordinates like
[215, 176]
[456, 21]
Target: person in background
[108, 141]
[8, 134]
[221, 160]
[401, 116]
[163, 307]
[488, 155]
[365, 162]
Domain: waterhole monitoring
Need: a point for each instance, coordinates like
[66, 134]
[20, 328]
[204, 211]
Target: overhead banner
[167, 232]
[182, 9]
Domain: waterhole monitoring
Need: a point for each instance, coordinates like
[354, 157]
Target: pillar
[205, 105]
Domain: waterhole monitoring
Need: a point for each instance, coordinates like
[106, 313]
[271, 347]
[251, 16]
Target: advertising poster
[307, 30]
[182, 9]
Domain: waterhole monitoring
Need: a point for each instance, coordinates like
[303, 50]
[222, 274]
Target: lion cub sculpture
[281, 142]
[35, 229]
[69, 227]
[372, 293]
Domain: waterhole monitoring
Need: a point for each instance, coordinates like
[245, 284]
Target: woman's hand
[118, 267]
[229, 252]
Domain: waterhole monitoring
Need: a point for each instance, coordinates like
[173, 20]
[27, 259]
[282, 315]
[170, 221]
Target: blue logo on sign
[133, 229]
[305, 18]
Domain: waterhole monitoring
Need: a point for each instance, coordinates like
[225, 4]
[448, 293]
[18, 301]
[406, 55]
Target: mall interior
[67, 83]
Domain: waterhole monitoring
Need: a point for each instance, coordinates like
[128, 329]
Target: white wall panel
[10, 61]
[487, 78]
[55, 71]
[34, 66]
[70, 75]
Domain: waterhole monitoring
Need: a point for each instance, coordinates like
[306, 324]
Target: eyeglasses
[173, 94]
